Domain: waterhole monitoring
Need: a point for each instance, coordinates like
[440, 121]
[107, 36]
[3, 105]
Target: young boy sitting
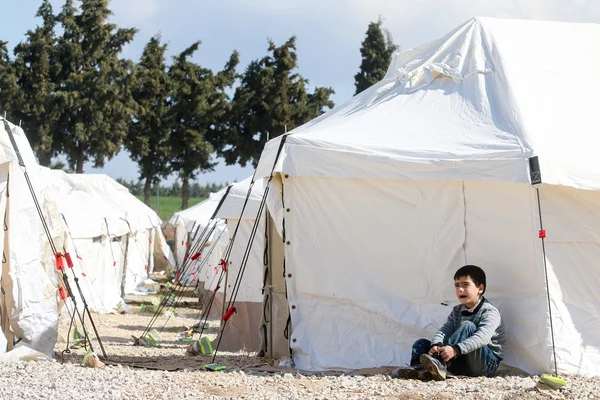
[470, 342]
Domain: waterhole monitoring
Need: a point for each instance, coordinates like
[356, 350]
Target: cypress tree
[271, 98]
[376, 50]
[199, 109]
[37, 73]
[10, 96]
[148, 138]
[94, 92]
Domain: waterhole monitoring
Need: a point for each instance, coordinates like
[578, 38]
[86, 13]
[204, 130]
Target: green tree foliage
[148, 139]
[37, 71]
[196, 189]
[10, 96]
[94, 92]
[135, 188]
[199, 108]
[376, 51]
[270, 98]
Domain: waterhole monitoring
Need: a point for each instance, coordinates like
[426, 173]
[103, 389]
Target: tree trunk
[45, 159]
[185, 192]
[80, 159]
[147, 188]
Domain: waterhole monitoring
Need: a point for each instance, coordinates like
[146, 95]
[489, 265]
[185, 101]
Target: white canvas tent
[28, 301]
[144, 227]
[242, 331]
[392, 191]
[97, 238]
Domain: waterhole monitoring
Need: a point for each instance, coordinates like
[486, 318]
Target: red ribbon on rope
[63, 293]
[69, 260]
[60, 265]
[229, 313]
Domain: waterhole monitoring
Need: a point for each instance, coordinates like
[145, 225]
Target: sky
[329, 34]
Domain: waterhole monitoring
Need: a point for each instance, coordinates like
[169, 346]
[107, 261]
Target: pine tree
[148, 139]
[94, 94]
[37, 72]
[199, 109]
[10, 95]
[377, 50]
[271, 98]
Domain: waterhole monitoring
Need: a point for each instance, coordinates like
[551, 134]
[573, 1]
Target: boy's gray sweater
[490, 330]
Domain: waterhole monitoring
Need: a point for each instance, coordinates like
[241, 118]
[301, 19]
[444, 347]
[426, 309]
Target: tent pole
[536, 182]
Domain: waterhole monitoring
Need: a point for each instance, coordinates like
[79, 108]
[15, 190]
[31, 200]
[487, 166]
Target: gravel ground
[185, 377]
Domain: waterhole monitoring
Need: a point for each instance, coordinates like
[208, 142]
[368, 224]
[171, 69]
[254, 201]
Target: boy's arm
[446, 330]
[490, 320]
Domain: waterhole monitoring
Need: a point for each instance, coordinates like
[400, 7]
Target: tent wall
[242, 331]
[502, 237]
[572, 220]
[6, 337]
[29, 274]
[275, 302]
[181, 242]
[139, 253]
[191, 271]
[368, 275]
[100, 270]
[163, 256]
[221, 236]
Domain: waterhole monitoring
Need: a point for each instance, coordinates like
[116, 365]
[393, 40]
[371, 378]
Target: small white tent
[145, 235]
[242, 331]
[388, 194]
[189, 226]
[28, 299]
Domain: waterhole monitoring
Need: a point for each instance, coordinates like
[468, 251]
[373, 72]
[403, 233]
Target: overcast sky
[329, 34]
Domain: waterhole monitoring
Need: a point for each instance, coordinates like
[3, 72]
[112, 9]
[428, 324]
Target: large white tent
[242, 330]
[28, 299]
[392, 191]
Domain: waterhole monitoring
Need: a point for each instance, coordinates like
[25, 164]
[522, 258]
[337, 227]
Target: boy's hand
[434, 350]
[447, 353]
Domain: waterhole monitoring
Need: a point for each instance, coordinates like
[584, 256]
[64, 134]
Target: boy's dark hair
[474, 272]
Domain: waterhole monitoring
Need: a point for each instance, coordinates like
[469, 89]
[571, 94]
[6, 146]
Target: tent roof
[474, 104]
[234, 202]
[7, 154]
[86, 213]
[139, 215]
[200, 212]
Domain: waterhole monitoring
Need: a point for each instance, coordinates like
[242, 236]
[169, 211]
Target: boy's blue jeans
[476, 363]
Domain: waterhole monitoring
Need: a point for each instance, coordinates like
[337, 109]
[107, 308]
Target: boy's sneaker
[436, 367]
[405, 373]
[425, 376]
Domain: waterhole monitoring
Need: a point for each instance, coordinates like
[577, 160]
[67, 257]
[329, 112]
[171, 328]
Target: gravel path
[188, 379]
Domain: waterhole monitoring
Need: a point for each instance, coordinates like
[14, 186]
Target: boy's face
[467, 292]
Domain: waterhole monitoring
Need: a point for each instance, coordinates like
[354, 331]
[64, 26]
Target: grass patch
[169, 205]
